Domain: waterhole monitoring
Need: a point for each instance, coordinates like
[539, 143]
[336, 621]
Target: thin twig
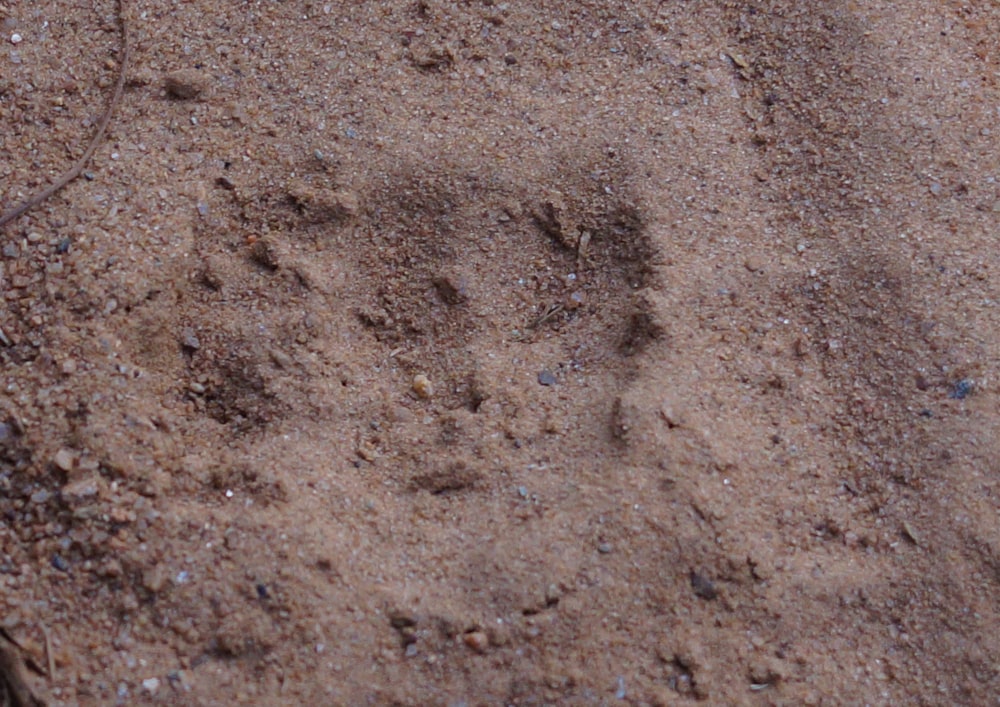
[51, 659]
[77, 168]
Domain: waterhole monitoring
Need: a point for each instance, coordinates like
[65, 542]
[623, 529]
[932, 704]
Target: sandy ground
[432, 352]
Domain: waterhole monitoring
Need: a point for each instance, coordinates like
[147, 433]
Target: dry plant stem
[14, 690]
[77, 168]
[48, 653]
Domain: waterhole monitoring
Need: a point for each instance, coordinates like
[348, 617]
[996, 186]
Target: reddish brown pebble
[367, 452]
[477, 641]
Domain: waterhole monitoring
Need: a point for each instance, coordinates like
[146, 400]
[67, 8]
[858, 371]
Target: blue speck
[961, 389]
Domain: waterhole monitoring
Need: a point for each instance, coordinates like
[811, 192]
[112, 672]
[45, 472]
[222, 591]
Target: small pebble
[547, 377]
[63, 459]
[605, 548]
[151, 685]
[16, 38]
[669, 413]
[477, 641]
[422, 386]
[367, 451]
[910, 533]
[452, 288]
[154, 579]
[185, 84]
[703, 587]
[189, 340]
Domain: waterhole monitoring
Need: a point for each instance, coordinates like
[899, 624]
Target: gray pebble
[189, 340]
[703, 587]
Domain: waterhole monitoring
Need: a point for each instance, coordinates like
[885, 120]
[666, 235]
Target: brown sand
[705, 295]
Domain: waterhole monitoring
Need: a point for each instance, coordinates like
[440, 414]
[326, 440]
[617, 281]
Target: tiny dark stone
[547, 377]
[961, 389]
[926, 413]
[262, 591]
[64, 245]
[703, 586]
[59, 563]
[401, 619]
